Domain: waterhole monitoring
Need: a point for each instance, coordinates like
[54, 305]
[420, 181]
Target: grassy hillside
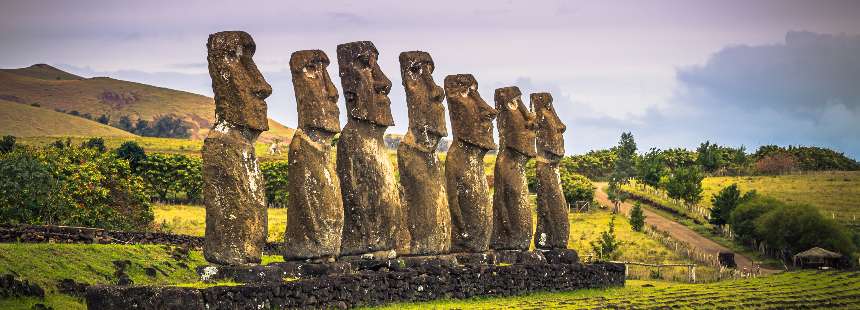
[22, 120]
[790, 290]
[191, 220]
[55, 89]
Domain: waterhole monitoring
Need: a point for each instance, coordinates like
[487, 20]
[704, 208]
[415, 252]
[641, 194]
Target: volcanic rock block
[371, 196]
[424, 200]
[233, 188]
[468, 192]
[315, 208]
[512, 215]
[553, 228]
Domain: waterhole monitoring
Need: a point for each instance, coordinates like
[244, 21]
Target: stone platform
[364, 283]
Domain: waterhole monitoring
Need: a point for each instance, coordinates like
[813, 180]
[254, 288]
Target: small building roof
[817, 252]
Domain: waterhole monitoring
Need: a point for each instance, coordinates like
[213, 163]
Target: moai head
[423, 96]
[365, 87]
[471, 117]
[316, 95]
[239, 87]
[550, 129]
[516, 123]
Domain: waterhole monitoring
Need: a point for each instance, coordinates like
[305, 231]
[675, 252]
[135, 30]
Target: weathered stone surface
[233, 188]
[425, 200]
[553, 228]
[315, 209]
[512, 215]
[468, 192]
[371, 197]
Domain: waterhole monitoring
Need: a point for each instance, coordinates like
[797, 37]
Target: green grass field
[807, 289]
[836, 193]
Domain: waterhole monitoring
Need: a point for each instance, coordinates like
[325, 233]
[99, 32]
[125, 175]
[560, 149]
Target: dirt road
[676, 230]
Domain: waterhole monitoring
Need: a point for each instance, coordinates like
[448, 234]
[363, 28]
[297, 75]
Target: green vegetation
[637, 217]
[805, 158]
[606, 248]
[587, 227]
[276, 174]
[26, 121]
[813, 289]
[151, 145]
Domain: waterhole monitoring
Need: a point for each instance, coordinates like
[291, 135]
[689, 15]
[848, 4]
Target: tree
[686, 184]
[651, 168]
[792, 228]
[725, 202]
[7, 144]
[132, 152]
[625, 165]
[709, 156]
[276, 175]
[637, 217]
[743, 217]
[97, 143]
[104, 119]
[607, 247]
[125, 123]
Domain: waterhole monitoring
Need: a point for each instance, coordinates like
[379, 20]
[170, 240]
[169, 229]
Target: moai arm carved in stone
[315, 208]
[468, 192]
[425, 201]
[553, 228]
[512, 216]
[233, 188]
[371, 198]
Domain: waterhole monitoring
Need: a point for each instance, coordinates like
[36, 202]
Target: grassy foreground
[807, 289]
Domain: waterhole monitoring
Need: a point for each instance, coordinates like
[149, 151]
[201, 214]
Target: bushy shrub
[576, 187]
[793, 228]
[132, 152]
[97, 144]
[276, 175]
[742, 219]
[71, 186]
[7, 144]
[167, 174]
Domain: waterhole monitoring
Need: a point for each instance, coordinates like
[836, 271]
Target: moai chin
[315, 210]
[512, 217]
[233, 189]
[425, 201]
[553, 228]
[468, 192]
[371, 198]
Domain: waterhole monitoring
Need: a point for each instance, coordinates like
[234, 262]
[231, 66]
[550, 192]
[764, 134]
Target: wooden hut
[817, 258]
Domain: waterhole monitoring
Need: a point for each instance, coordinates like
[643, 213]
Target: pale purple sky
[675, 73]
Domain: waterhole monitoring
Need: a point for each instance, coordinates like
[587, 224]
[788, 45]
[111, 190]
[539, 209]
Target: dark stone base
[519, 257]
[367, 287]
[560, 256]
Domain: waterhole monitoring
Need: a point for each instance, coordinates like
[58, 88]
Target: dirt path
[677, 230]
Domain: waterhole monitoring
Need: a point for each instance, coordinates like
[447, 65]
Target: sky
[674, 73]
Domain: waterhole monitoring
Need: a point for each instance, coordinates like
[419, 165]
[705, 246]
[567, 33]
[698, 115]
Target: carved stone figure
[315, 209]
[512, 216]
[468, 192]
[424, 198]
[553, 228]
[371, 198]
[233, 188]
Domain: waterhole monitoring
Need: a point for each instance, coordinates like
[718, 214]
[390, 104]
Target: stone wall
[366, 288]
[67, 234]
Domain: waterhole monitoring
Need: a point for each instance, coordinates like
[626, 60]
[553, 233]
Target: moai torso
[468, 192]
[553, 227]
[512, 217]
[424, 198]
[315, 209]
[233, 188]
[371, 198]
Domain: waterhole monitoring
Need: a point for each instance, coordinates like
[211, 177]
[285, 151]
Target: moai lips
[468, 192]
[315, 211]
[553, 228]
[371, 196]
[512, 217]
[233, 189]
[424, 199]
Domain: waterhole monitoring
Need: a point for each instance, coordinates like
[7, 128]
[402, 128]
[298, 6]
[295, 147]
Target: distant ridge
[22, 120]
[54, 89]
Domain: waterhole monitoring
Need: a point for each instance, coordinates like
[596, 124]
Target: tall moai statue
[468, 192]
[553, 228]
[233, 188]
[315, 209]
[371, 198]
[512, 214]
[424, 198]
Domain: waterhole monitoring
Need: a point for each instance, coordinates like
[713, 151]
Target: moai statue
[315, 209]
[468, 192]
[371, 198]
[233, 188]
[424, 200]
[553, 228]
[512, 214]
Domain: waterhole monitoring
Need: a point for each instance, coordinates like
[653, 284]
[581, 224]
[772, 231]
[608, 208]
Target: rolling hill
[22, 120]
[54, 89]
